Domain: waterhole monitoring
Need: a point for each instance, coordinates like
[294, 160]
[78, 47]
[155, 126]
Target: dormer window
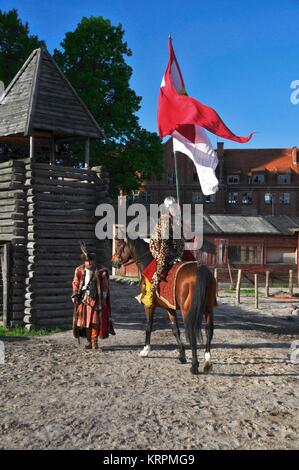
[258, 178]
[283, 178]
[233, 179]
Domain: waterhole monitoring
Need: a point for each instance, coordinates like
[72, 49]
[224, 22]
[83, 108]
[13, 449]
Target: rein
[133, 260]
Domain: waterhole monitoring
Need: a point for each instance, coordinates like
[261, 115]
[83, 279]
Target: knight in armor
[91, 299]
[164, 245]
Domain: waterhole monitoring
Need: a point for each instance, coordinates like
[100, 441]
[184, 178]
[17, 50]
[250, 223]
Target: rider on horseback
[166, 243]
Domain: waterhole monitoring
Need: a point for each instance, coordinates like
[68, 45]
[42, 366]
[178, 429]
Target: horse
[195, 295]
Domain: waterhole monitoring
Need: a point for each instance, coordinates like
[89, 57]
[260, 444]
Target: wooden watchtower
[45, 208]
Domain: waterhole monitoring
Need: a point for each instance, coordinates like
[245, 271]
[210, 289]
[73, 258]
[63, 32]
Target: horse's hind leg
[149, 312]
[209, 336]
[177, 334]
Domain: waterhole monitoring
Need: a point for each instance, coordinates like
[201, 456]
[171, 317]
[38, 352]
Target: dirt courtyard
[56, 395]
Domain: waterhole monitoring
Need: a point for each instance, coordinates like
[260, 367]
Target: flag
[200, 150]
[176, 108]
[185, 118]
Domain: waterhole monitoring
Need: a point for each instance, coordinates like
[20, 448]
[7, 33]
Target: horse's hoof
[208, 366]
[145, 351]
[183, 360]
[194, 370]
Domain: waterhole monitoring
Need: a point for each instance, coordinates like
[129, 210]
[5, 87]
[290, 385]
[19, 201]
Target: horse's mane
[141, 249]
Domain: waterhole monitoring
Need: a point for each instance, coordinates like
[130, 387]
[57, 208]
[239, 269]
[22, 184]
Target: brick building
[252, 182]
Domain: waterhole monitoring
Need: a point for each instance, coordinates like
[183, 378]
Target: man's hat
[86, 255]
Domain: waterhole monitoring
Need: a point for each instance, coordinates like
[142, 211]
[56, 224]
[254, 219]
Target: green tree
[15, 44]
[93, 59]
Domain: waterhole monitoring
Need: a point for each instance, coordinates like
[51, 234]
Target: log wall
[13, 230]
[45, 210]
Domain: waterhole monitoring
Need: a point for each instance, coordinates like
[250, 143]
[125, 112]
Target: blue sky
[238, 57]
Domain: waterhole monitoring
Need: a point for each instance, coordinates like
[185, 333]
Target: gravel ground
[56, 395]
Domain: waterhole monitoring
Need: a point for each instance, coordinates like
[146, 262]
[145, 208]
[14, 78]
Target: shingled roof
[41, 98]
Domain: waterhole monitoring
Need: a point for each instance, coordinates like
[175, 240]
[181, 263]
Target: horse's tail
[193, 320]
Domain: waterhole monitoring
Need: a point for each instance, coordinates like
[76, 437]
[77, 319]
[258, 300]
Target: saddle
[168, 282]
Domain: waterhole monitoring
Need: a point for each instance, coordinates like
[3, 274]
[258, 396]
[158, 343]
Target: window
[247, 198]
[285, 198]
[211, 199]
[244, 254]
[233, 198]
[171, 178]
[146, 196]
[281, 255]
[135, 196]
[269, 198]
[284, 178]
[233, 179]
[196, 197]
[258, 178]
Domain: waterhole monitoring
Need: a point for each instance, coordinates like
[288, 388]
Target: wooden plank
[11, 185]
[256, 291]
[62, 322]
[238, 286]
[49, 294]
[87, 236]
[267, 294]
[62, 168]
[40, 206]
[52, 188]
[44, 214]
[53, 197]
[6, 271]
[291, 282]
[65, 220]
[56, 173]
[63, 183]
[58, 243]
[58, 227]
[34, 261]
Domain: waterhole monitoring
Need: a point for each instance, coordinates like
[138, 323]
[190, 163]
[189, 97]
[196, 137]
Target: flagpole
[176, 177]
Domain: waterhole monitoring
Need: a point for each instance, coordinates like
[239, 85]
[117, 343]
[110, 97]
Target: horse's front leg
[209, 335]
[177, 334]
[149, 312]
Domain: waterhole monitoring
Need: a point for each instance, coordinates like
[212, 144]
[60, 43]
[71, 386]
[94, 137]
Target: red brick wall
[242, 160]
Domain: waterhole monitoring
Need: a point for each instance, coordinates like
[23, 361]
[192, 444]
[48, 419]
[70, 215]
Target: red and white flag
[184, 118]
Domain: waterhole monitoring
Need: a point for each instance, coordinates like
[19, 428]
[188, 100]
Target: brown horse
[195, 294]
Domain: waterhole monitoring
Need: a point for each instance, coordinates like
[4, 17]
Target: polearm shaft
[176, 177]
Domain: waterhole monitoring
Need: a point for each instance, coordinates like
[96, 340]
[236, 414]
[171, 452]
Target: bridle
[133, 260]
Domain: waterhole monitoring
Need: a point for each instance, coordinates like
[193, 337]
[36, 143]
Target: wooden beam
[52, 151]
[256, 291]
[87, 153]
[31, 148]
[5, 265]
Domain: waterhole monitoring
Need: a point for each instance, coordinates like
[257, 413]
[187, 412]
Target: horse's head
[122, 253]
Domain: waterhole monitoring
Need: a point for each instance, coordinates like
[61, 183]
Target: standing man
[91, 299]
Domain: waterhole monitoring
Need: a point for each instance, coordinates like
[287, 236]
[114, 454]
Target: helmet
[169, 201]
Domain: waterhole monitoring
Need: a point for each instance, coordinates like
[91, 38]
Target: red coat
[97, 312]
